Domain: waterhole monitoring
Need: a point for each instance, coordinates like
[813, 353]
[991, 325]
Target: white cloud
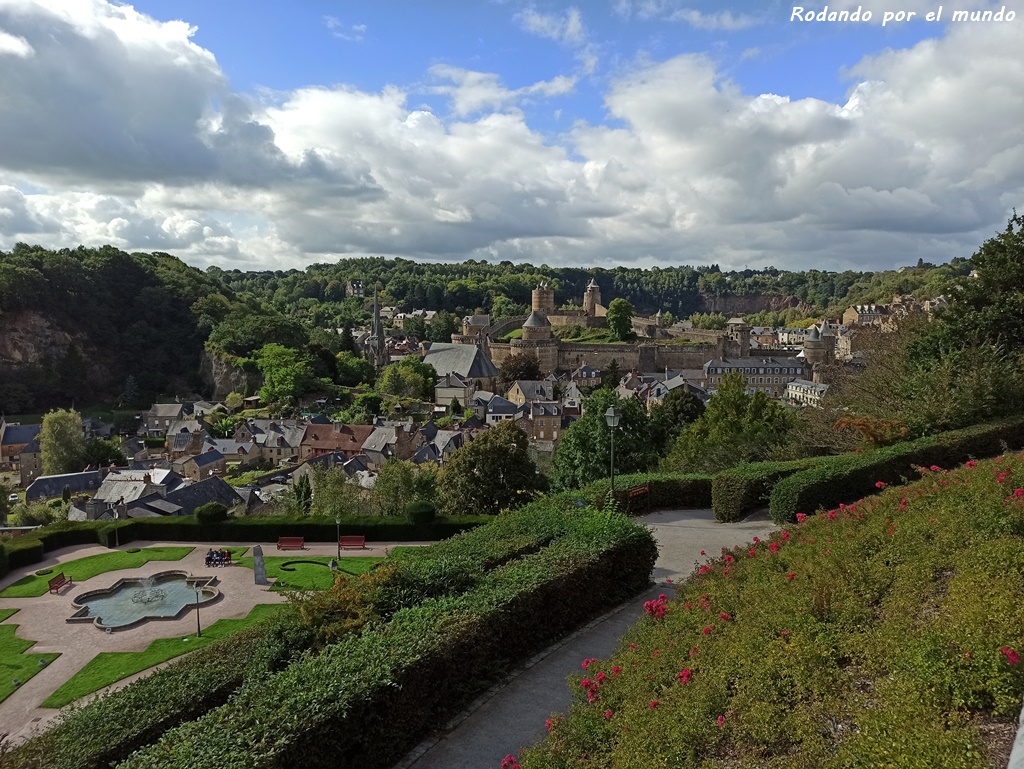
[125, 131]
[352, 33]
[724, 20]
[567, 29]
[12, 45]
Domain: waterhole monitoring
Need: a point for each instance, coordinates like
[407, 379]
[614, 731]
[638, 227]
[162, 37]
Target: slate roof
[537, 319]
[51, 486]
[541, 409]
[186, 426]
[534, 390]
[228, 446]
[426, 453]
[466, 360]
[15, 434]
[428, 431]
[356, 464]
[130, 485]
[196, 494]
[166, 410]
[499, 405]
[448, 439]
[379, 439]
[32, 447]
[207, 458]
[472, 422]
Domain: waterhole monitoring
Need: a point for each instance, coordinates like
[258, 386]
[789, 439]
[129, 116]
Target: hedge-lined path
[42, 618]
[512, 714]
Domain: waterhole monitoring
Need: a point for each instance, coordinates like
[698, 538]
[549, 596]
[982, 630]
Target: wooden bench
[354, 540]
[637, 492]
[58, 582]
[291, 543]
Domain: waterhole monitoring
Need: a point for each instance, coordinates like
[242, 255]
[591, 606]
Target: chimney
[147, 479]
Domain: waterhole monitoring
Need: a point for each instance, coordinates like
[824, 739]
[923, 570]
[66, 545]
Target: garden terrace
[856, 638]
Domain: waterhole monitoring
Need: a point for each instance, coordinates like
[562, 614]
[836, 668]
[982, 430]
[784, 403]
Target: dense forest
[101, 325]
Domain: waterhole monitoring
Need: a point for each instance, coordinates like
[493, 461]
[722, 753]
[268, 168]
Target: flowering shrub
[888, 651]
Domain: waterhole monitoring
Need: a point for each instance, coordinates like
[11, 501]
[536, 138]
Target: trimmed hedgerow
[365, 701]
[883, 634]
[739, 490]
[665, 490]
[849, 476]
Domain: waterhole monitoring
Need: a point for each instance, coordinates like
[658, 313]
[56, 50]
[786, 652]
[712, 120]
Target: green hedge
[666, 490]
[367, 700]
[192, 685]
[739, 490]
[30, 549]
[849, 477]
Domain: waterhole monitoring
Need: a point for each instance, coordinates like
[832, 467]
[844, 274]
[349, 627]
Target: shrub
[850, 476]
[44, 572]
[739, 490]
[421, 511]
[666, 490]
[210, 513]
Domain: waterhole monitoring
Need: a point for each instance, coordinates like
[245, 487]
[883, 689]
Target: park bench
[636, 493]
[58, 582]
[291, 543]
[354, 540]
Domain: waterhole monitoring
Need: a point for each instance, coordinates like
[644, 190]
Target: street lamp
[199, 630]
[337, 522]
[117, 538]
[612, 417]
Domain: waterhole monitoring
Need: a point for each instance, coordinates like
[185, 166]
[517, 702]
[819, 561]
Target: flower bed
[885, 632]
[837, 479]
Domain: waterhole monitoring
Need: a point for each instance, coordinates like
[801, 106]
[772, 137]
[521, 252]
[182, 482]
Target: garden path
[511, 715]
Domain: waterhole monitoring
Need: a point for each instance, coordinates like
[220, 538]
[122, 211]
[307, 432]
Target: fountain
[132, 600]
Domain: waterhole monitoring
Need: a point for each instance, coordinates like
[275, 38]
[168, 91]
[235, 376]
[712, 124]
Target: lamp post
[612, 417]
[117, 538]
[337, 521]
[199, 630]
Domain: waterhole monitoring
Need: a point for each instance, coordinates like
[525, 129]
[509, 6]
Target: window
[776, 379]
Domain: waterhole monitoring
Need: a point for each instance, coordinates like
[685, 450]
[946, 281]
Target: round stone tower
[544, 299]
[591, 299]
[538, 341]
[814, 348]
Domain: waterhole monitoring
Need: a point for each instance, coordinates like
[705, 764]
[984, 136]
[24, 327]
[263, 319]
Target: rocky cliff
[29, 339]
[221, 377]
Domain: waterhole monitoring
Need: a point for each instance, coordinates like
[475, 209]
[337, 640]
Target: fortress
[557, 356]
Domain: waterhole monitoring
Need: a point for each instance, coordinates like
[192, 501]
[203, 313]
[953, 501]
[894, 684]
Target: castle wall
[571, 356]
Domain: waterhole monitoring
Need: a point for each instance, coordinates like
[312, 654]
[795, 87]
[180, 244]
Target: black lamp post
[199, 630]
[337, 521]
[612, 417]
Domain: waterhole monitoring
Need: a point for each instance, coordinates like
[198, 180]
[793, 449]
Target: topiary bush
[738, 491]
[421, 511]
[211, 513]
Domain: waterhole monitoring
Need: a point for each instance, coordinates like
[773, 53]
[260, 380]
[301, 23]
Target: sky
[269, 135]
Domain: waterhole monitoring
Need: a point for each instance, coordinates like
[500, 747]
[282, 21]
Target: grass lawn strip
[309, 573]
[82, 569]
[110, 667]
[14, 663]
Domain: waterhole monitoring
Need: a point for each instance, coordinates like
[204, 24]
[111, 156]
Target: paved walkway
[512, 714]
[42, 618]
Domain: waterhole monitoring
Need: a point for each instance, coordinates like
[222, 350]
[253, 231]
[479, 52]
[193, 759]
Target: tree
[408, 378]
[415, 326]
[101, 453]
[735, 427]
[584, 453]
[333, 495]
[131, 391]
[520, 366]
[442, 327]
[234, 401]
[394, 487]
[620, 318]
[6, 489]
[454, 408]
[353, 370]
[611, 375]
[490, 474]
[302, 493]
[287, 374]
[348, 342]
[62, 442]
[503, 307]
[677, 410]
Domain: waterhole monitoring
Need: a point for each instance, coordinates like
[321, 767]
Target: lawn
[309, 573]
[14, 663]
[110, 667]
[92, 565]
[884, 633]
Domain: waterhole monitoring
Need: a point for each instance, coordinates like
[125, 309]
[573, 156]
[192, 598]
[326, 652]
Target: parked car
[13, 498]
[279, 479]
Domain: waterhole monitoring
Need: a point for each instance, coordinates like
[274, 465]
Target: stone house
[30, 463]
[158, 420]
[328, 439]
[201, 466]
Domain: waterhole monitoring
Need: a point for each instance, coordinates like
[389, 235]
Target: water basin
[132, 600]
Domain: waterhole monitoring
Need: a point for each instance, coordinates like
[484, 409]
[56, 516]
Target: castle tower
[538, 341]
[544, 299]
[739, 335]
[814, 348]
[591, 299]
[828, 343]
